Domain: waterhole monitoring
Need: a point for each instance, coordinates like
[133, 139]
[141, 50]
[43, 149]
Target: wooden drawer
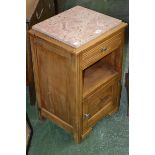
[98, 104]
[92, 55]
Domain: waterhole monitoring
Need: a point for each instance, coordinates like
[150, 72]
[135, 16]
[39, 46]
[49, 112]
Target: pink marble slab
[77, 26]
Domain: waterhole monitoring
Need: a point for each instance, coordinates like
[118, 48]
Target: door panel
[99, 104]
[54, 89]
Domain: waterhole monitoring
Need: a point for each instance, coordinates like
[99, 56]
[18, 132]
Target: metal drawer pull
[103, 49]
[87, 115]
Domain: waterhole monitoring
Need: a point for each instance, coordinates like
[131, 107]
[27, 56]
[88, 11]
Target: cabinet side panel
[54, 79]
[35, 69]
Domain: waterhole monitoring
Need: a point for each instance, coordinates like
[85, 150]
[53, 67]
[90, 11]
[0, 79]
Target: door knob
[87, 115]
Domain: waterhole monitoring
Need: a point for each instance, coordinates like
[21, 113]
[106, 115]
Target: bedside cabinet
[77, 58]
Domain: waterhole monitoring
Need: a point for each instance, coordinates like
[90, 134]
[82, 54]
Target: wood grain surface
[73, 95]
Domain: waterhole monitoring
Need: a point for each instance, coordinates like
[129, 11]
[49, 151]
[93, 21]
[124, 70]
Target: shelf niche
[99, 73]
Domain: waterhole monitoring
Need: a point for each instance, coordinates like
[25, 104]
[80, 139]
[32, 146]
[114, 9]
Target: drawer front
[92, 55]
[99, 104]
[98, 101]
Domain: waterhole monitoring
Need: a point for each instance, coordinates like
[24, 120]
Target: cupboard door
[100, 103]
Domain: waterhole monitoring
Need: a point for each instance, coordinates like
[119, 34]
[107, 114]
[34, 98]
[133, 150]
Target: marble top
[76, 26]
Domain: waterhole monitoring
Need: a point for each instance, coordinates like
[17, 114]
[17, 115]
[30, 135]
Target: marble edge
[68, 43]
[34, 27]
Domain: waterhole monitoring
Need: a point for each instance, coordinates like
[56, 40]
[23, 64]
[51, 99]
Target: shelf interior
[96, 75]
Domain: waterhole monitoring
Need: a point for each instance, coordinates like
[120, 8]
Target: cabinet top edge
[73, 50]
[36, 34]
[102, 37]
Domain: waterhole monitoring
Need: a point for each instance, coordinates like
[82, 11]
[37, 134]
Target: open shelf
[96, 75]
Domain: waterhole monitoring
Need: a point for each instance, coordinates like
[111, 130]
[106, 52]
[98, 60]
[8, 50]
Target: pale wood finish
[71, 91]
[54, 69]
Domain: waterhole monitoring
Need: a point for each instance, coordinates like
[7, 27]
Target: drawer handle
[87, 115]
[103, 49]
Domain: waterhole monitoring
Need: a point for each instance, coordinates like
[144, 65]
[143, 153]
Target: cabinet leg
[86, 133]
[77, 138]
[40, 116]
[114, 111]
